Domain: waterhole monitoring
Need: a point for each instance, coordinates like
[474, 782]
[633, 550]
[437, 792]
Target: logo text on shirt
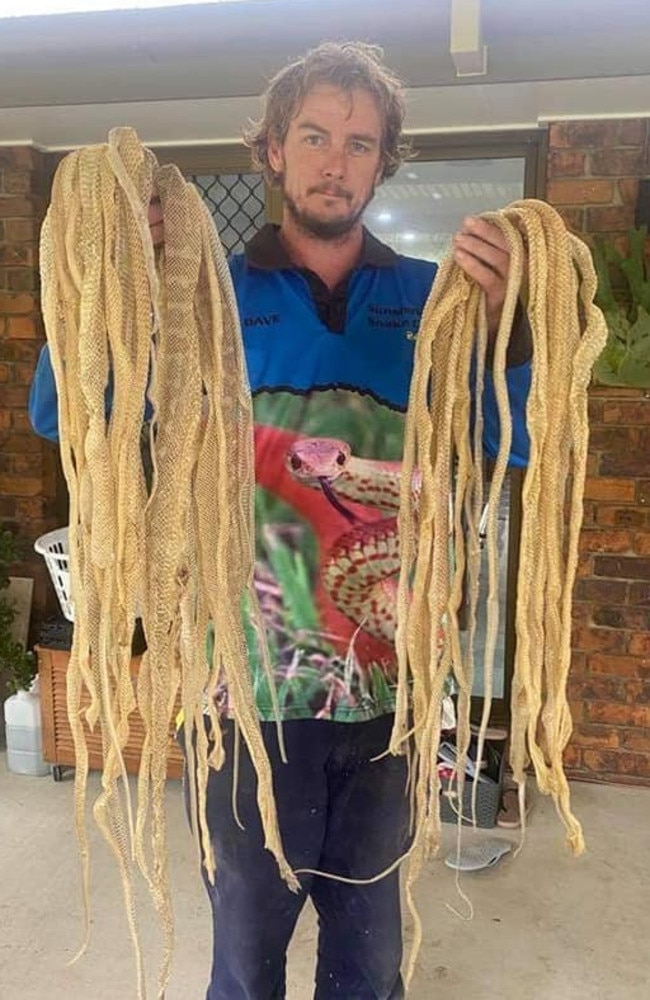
[392, 317]
[270, 319]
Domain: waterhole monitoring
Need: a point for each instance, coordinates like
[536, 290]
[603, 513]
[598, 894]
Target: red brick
[640, 595]
[613, 437]
[622, 567]
[581, 614]
[580, 134]
[616, 714]
[628, 189]
[612, 219]
[20, 486]
[20, 422]
[633, 764]
[620, 617]
[598, 540]
[23, 373]
[574, 219]
[596, 736]
[7, 508]
[610, 489]
[585, 567]
[15, 397]
[12, 207]
[18, 303]
[580, 192]
[595, 404]
[21, 230]
[616, 762]
[19, 157]
[606, 687]
[15, 255]
[638, 741]
[601, 760]
[27, 465]
[643, 491]
[598, 639]
[641, 543]
[608, 162]
[639, 644]
[617, 666]
[16, 181]
[589, 514]
[627, 462]
[578, 663]
[21, 350]
[16, 443]
[33, 508]
[631, 517]
[566, 163]
[613, 591]
[573, 757]
[23, 326]
[22, 279]
[607, 392]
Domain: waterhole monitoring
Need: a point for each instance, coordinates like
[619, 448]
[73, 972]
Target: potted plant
[16, 663]
[22, 707]
[624, 297]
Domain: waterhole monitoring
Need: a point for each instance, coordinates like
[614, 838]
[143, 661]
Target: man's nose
[335, 164]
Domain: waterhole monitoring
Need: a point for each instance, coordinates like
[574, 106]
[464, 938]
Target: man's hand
[156, 225]
[480, 249]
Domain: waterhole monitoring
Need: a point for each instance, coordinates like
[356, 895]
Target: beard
[324, 229]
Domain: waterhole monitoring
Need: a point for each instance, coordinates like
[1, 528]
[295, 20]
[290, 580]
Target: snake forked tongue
[335, 501]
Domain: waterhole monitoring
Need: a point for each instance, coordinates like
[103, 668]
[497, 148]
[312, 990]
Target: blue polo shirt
[329, 373]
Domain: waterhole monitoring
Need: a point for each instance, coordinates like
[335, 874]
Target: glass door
[417, 212]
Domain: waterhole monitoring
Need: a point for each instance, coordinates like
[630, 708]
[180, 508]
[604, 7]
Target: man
[329, 317]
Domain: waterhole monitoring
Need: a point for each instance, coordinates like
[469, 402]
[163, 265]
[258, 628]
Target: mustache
[332, 189]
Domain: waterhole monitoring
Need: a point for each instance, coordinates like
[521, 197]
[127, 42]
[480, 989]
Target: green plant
[18, 664]
[624, 297]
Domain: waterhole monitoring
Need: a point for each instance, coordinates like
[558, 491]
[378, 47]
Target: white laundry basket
[54, 548]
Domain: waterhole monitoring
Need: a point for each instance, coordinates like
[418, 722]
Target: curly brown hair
[348, 65]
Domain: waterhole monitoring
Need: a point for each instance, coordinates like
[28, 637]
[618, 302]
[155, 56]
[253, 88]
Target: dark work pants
[340, 812]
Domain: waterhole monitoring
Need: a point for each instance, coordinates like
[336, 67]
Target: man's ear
[276, 155]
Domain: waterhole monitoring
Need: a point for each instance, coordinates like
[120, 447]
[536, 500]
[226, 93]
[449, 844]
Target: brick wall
[28, 465]
[593, 174]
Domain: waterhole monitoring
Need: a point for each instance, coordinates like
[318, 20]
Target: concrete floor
[546, 926]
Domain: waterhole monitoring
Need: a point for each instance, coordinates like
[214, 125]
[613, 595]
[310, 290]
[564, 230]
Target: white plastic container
[23, 726]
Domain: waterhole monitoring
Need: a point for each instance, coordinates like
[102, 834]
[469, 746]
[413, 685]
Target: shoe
[508, 817]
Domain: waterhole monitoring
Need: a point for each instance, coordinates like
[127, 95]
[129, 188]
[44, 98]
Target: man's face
[330, 160]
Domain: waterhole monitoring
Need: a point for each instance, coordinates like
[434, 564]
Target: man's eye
[314, 140]
[359, 148]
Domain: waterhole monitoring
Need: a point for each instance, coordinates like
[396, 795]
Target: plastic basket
[54, 548]
[488, 795]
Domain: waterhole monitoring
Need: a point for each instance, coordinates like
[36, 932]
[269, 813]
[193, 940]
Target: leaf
[606, 368]
[634, 268]
[381, 692]
[634, 369]
[291, 573]
[640, 330]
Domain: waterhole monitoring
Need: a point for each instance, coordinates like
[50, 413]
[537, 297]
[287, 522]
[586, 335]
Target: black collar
[266, 251]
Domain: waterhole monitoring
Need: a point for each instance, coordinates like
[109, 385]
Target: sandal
[478, 856]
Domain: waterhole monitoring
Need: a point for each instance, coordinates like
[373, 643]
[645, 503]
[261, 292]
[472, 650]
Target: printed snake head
[312, 460]
[318, 462]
